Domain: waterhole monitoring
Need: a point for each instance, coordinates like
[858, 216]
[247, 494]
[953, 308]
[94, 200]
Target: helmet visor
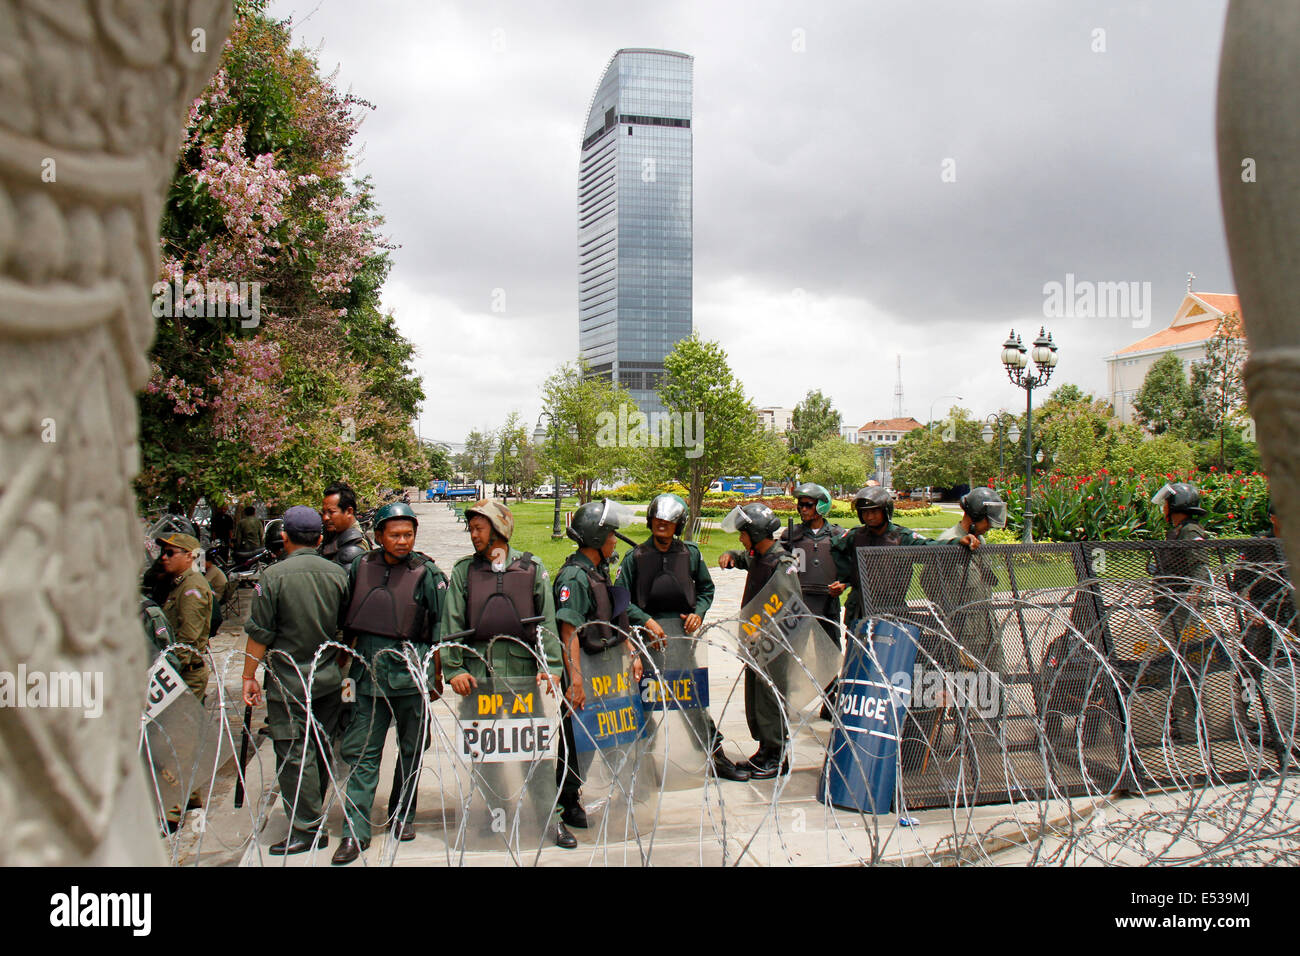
[735, 521]
[1165, 493]
[996, 512]
[615, 514]
[667, 509]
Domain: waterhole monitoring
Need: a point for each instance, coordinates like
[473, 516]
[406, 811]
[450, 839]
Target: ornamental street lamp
[1012, 433]
[1015, 360]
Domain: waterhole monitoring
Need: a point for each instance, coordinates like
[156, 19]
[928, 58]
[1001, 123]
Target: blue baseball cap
[302, 520]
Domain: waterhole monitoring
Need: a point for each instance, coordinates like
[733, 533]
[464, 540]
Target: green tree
[1164, 402]
[476, 460]
[511, 442]
[1072, 430]
[698, 385]
[837, 464]
[584, 444]
[813, 420]
[1163, 454]
[438, 455]
[1218, 393]
[949, 454]
[321, 385]
[770, 457]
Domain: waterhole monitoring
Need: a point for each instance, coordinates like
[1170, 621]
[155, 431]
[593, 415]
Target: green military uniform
[188, 609]
[387, 692]
[295, 610]
[575, 605]
[156, 629]
[248, 534]
[844, 549]
[509, 660]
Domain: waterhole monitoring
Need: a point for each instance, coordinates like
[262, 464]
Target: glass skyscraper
[634, 220]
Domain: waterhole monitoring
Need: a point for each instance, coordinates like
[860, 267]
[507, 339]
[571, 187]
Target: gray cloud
[816, 170]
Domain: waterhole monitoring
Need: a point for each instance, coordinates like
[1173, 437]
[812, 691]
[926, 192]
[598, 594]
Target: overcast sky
[904, 184]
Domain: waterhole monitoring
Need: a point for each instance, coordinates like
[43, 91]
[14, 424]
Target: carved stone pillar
[1259, 140]
[93, 94]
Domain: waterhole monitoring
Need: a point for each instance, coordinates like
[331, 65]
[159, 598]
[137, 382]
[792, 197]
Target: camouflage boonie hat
[496, 512]
[186, 542]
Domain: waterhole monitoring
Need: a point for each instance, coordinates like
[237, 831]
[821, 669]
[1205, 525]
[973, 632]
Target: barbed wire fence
[1114, 703]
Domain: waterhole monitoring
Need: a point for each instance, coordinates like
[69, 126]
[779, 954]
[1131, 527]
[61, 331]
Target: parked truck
[443, 490]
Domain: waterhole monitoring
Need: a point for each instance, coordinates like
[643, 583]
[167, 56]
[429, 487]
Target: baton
[243, 756]
[462, 635]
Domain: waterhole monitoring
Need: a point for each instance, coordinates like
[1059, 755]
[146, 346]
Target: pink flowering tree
[275, 371]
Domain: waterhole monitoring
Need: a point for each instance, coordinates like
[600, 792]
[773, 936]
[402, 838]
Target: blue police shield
[675, 697]
[506, 737]
[779, 634]
[861, 765]
[607, 733]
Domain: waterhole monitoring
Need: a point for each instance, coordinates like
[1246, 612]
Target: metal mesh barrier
[1116, 703]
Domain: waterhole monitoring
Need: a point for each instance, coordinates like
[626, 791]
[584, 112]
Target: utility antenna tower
[898, 390]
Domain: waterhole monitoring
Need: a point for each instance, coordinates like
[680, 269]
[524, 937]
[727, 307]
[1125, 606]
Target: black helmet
[985, 503]
[397, 509]
[271, 539]
[667, 507]
[756, 520]
[874, 497]
[817, 493]
[1182, 496]
[597, 520]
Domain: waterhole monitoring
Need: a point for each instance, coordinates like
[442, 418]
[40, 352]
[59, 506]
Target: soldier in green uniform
[248, 533]
[669, 582]
[982, 509]
[875, 508]
[188, 609]
[584, 611]
[1176, 596]
[216, 579]
[395, 598]
[762, 556]
[295, 611]
[493, 569]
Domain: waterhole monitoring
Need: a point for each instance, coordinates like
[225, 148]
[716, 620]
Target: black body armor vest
[663, 580]
[383, 600]
[500, 600]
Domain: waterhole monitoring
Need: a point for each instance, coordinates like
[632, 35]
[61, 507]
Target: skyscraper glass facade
[635, 220]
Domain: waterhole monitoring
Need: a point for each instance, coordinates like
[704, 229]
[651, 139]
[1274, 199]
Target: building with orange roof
[1194, 323]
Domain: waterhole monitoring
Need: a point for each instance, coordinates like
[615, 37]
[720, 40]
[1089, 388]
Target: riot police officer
[395, 599]
[344, 540]
[1176, 596]
[590, 625]
[812, 542]
[982, 509]
[495, 568]
[670, 584]
[875, 508]
[762, 556]
[975, 627]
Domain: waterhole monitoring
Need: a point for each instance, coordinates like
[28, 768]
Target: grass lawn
[533, 522]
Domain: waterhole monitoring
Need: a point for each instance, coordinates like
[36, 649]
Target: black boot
[767, 763]
[724, 768]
